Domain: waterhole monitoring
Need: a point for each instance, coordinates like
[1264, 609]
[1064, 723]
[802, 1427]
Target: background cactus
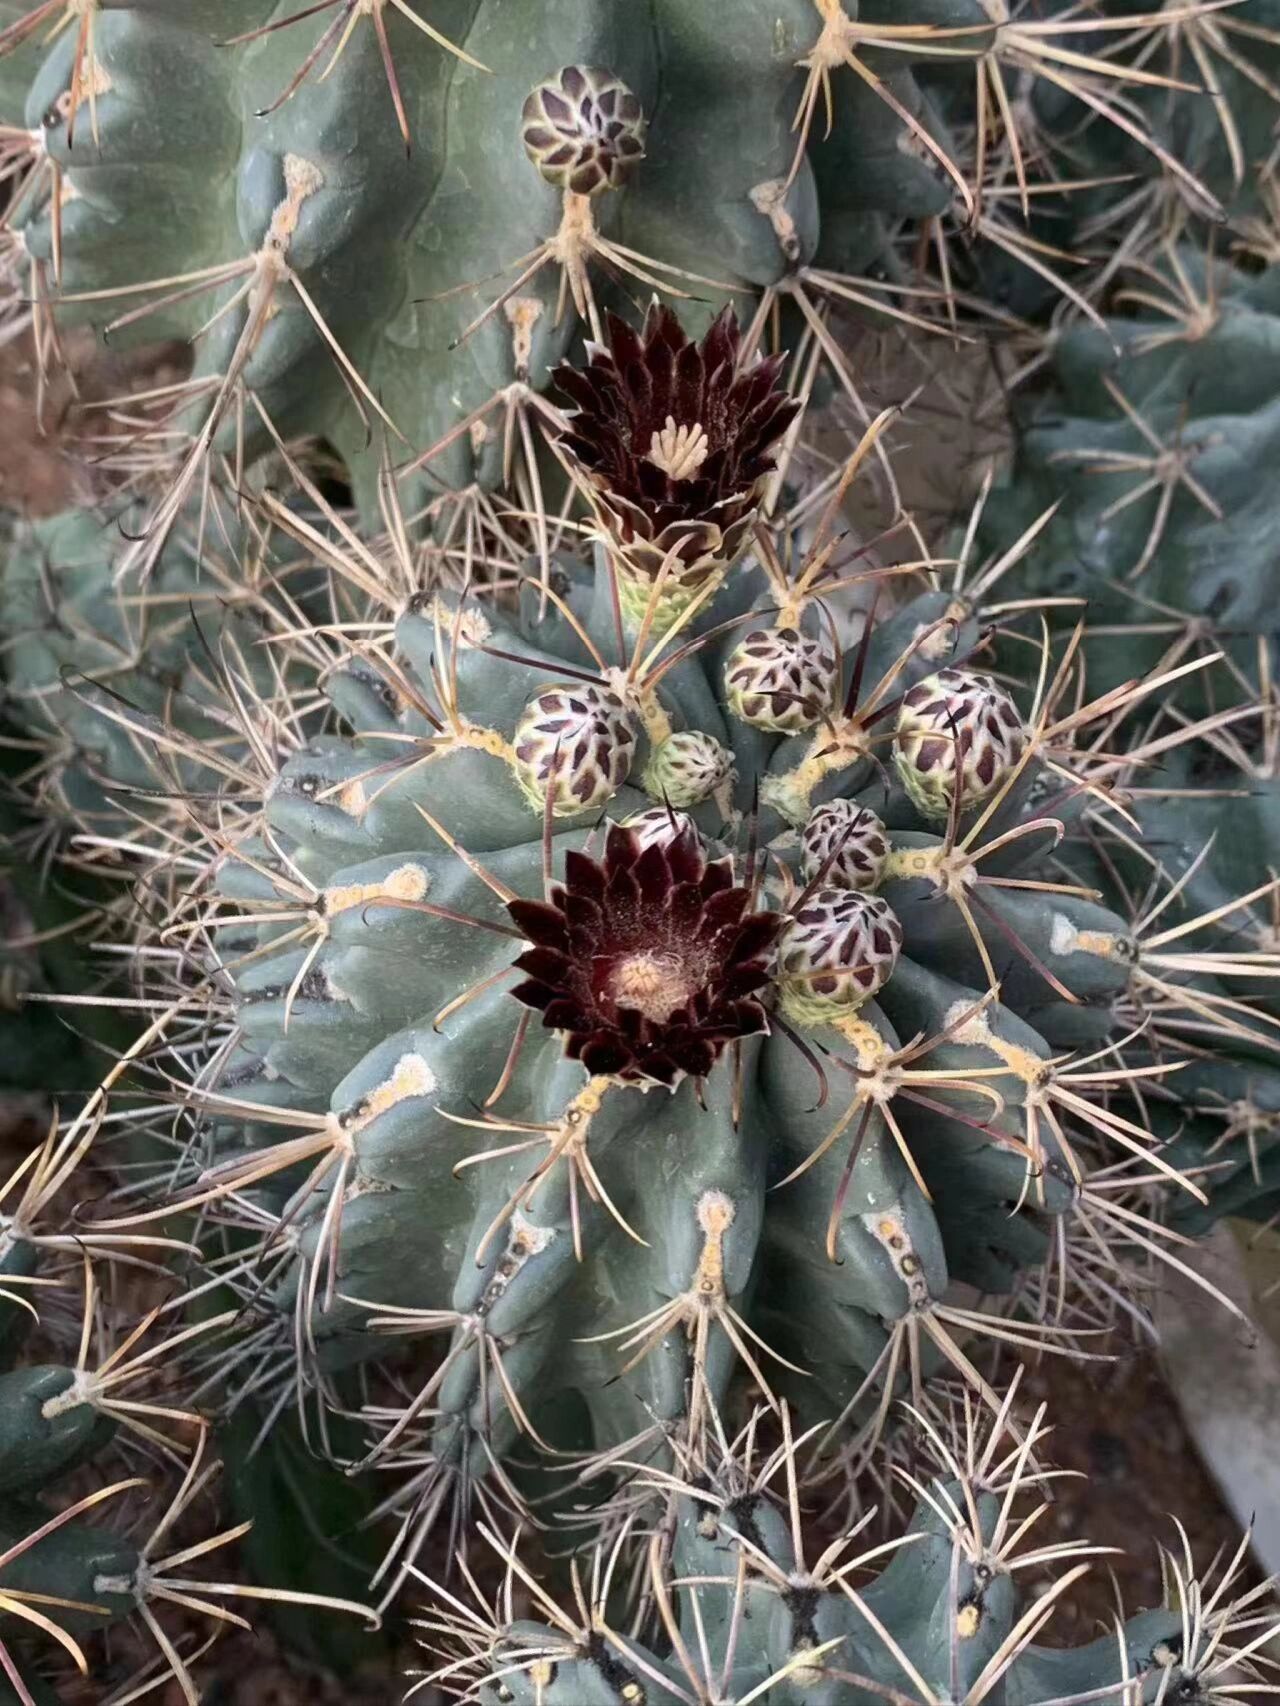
[106, 668]
[1149, 441]
[89, 1425]
[751, 1612]
[353, 181]
[1148, 446]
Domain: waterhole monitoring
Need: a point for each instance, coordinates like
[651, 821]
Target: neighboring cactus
[63, 1577]
[1150, 443]
[1207, 149]
[1110, 132]
[103, 1406]
[740, 1607]
[341, 192]
[1211, 824]
[106, 669]
[1164, 534]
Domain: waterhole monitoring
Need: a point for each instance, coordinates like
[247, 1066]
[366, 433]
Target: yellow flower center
[654, 984]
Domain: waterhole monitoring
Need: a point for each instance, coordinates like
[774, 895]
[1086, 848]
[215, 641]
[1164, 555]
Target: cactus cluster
[618, 1002]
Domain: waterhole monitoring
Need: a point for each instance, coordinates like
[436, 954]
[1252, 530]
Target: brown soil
[1136, 1471]
[38, 473]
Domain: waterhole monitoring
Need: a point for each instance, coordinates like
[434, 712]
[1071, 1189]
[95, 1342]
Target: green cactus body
[543, 1098]
[380, 208]
[750, 1614]
[109, 668]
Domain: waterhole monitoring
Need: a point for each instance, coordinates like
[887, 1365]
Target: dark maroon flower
[649, 961]
[674, 440]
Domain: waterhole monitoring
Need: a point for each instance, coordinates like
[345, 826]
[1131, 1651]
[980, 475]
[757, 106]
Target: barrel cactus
[620, 1017]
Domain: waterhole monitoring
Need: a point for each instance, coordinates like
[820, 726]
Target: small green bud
[687, 768]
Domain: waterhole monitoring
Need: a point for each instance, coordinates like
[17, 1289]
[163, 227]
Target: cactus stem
[85, 67]
[264, 273]
[566, 1140]
[1162, 470]
[705, 1302]
[22, 1605]
[839, 43]
[339, 31]
[881, 1074]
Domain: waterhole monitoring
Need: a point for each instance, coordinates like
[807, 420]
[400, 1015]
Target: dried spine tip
[956, 728]
[781, 680]
[835, 953]
[574, 744]
[844, 846]
[583, 129]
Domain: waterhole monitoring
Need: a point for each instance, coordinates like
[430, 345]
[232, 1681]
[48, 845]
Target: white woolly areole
[716, 1212]
[410, 1076]
[975, 1028]
[534, 1238]
[1064, 938]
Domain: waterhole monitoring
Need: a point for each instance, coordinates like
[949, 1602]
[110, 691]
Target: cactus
[634, 992]
[614, 1098]
[1147, 450]
[391, 216]
[1149, 443]
[106, 667]
[749, 1610]
[1218, 142]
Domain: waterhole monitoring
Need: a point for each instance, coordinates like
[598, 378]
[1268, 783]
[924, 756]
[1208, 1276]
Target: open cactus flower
[672, 442]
